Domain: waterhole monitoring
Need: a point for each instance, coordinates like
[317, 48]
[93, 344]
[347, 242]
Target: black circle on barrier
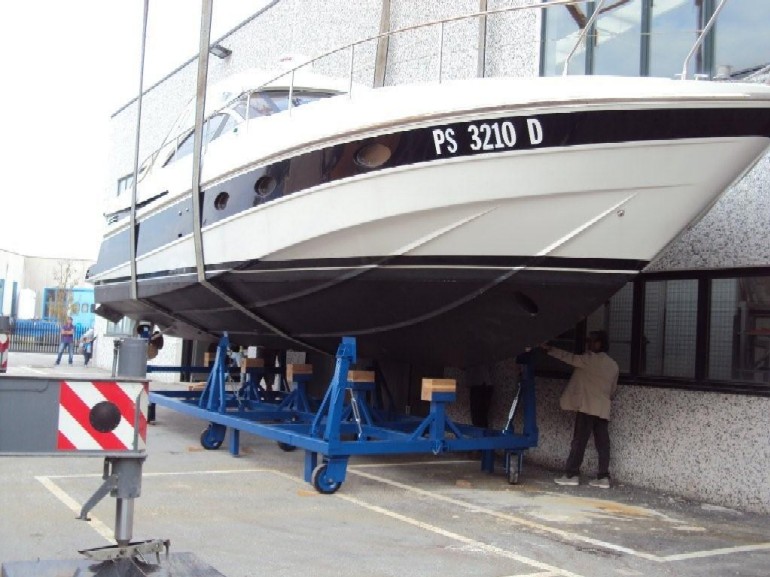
[104, 416]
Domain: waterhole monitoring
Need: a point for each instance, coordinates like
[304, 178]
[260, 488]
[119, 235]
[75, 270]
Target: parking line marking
[518, 520]
[714, 552]
[106, 532]
[550, 569]
[71, 504]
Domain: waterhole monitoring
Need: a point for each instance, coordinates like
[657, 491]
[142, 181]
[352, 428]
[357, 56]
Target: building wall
[703, 446]
[734, 233]
[36, 274]
[11, 271]
[104, 352]
[700, 445]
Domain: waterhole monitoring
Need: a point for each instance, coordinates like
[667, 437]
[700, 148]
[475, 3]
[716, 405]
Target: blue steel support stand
[329, 475]
[344, 426]
[214, 399]
[526, 393]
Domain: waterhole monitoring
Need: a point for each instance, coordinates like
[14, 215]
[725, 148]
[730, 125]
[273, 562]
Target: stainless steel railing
[440, 25]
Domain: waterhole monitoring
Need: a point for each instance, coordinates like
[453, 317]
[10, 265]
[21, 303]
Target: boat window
[213, 128]
[270, 102]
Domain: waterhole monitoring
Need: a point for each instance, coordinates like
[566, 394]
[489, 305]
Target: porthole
[372, 155]
[265, 186]
[220, 202]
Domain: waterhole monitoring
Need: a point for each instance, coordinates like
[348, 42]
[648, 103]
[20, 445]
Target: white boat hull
[458, 259]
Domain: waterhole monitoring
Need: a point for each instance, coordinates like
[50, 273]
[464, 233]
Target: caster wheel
[212, 437]
[321, 482]
[286, 447]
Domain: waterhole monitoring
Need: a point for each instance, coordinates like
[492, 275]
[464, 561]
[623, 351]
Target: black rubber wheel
[286, 447]
[212, 437]
[321, 482]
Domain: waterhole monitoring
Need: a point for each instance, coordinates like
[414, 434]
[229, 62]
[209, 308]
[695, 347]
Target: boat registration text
[487, 136]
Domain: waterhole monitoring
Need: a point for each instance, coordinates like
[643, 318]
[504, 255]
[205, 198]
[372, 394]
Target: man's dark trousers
[584, 426]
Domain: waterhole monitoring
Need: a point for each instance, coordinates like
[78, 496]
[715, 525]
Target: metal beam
[383, 43]
[132, 230]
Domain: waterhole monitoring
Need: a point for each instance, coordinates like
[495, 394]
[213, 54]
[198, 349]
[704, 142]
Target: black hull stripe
[477, 318]
[420, 145]
[436, 262]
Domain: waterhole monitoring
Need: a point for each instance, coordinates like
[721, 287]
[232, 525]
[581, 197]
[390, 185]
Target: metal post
[200, 107]
[132, 230]
[481, 63]
[383, 43]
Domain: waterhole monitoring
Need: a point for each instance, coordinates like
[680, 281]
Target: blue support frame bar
[344, 425]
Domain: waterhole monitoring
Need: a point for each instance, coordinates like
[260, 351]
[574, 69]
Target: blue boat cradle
[346, 423]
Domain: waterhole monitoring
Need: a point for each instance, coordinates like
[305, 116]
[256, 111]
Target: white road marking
[107, 533]
[511, 518]
[550, 569]
[715, 552]
[73, 505]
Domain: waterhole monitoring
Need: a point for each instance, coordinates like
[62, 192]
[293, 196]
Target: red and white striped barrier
[5, 342]
[102, 416]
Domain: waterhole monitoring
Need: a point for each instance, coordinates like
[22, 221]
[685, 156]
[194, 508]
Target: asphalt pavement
[410, 515]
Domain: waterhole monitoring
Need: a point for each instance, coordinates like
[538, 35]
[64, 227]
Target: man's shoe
[565, 480]
[603, 483]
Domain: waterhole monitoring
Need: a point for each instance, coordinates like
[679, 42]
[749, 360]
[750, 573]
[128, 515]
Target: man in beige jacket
[589, 392]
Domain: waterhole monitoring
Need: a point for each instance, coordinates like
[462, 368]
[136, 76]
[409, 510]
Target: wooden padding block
[196, 386]
[361, 376]
[247, 364]
[297, 369]
[429, 386]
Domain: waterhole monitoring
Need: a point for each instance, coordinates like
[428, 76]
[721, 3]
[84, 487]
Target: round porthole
[372, 155]
[265, 186]
[220, 202]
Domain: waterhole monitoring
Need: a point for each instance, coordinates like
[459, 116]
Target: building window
[648, 38]
[742, 44]
[617, 40]
[739, 330]
[674, 27]
[616, 318]
[670, 328]
[692, 330]
[125, 183]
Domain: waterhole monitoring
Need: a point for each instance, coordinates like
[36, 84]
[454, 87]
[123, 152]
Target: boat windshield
[263, 103]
